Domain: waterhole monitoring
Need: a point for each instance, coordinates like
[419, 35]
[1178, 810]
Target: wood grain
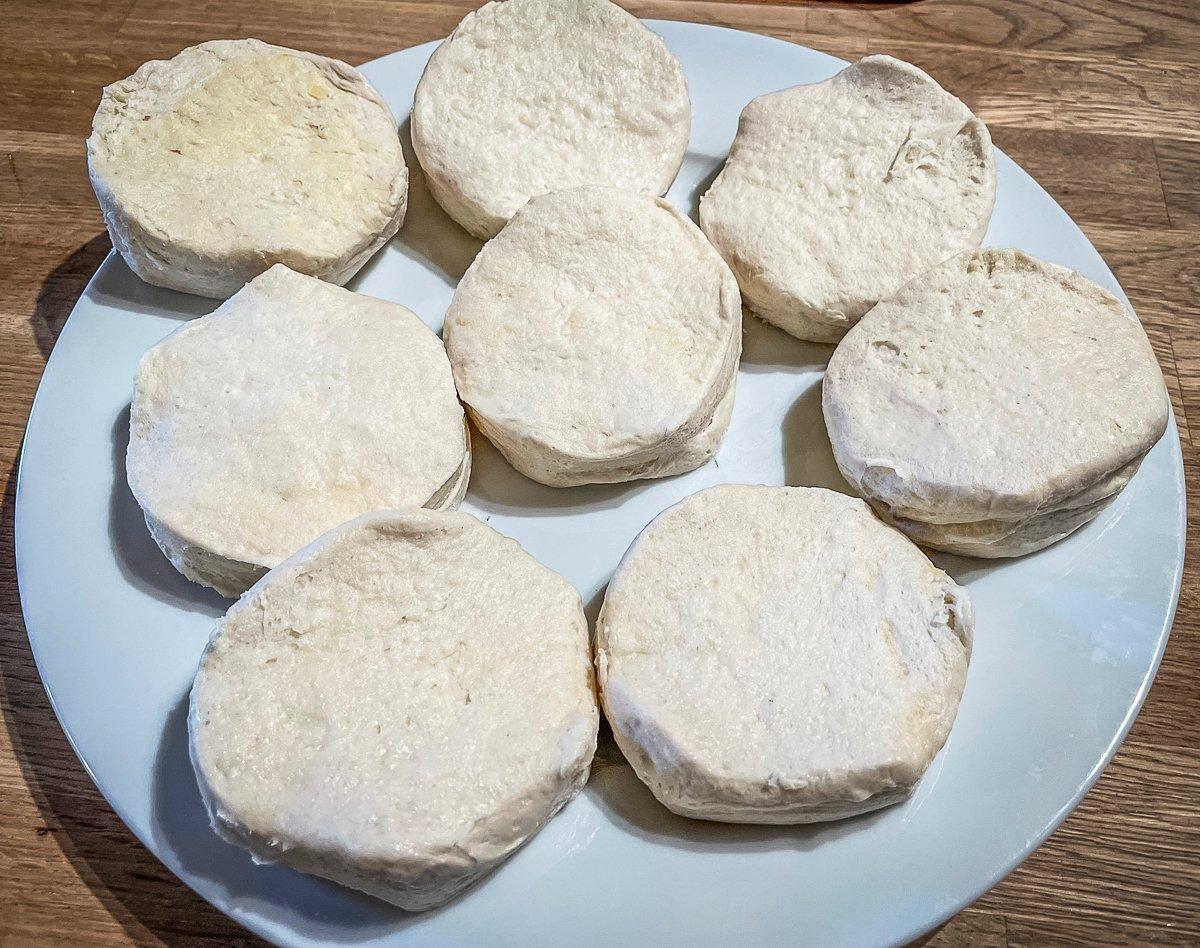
[1099, 99]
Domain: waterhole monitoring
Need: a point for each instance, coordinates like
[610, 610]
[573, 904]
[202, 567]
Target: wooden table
[1098, 99]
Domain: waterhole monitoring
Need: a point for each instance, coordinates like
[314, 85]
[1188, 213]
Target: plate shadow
[180, 825]
[62, 289]
[119, 287]
[965, 569]
[807, 454]
[766, 348]
[429, 235]
[497, 487]
[138, 556]
[694, 196]
[629, 805]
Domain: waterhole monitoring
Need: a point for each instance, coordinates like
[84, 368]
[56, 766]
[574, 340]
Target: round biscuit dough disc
[294, 407]
[994, 404]
[531, 96]
[779, 655]
[398, 707]
[596, 339]
[837, 193]
[236, 155]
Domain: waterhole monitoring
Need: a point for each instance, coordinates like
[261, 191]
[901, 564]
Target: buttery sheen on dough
[779, 655]
[236, 155]
[994, 404]
[531, 96]
[596, 339]
[294, 407]
[837, 193]
[398, 707]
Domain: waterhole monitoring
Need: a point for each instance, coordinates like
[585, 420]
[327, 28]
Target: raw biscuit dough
[236, 155]
[994, 404]
[779, 655]
[837, 193]
[596, 339]
[398, 707]
[294, 407]
[531, 96]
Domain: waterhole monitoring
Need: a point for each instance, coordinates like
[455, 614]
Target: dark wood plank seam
[1162, 186]
[1183, 401]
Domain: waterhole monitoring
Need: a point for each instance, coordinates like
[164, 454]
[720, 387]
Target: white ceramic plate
[1066, 645]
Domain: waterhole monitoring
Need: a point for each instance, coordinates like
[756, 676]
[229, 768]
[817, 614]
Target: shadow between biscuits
[227, 874]
[141, 562]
